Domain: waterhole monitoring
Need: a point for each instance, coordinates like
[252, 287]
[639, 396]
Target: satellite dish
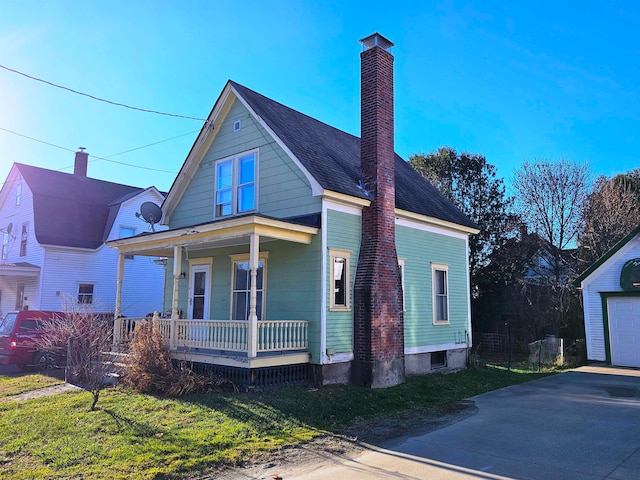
[9, 228]
[151, 213]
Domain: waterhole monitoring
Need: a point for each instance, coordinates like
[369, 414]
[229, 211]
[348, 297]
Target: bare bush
[82, 337]
[150, 368]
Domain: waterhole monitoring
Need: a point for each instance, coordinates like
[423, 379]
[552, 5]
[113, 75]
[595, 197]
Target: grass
[10, 386]
[142, 436]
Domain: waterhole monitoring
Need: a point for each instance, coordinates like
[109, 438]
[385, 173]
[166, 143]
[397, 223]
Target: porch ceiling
[235, 231]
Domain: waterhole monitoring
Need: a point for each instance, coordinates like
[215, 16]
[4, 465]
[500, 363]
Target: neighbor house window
[440, 279]
[236, 184]
[126, 232]
[401, 266]
[241, 286]
[339, 279]
[20, 296]
[23, 240]
[18, 193]
[85, 293]
[5, 245]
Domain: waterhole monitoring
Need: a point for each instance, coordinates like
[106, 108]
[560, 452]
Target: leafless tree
[551, 196]
[610, 213]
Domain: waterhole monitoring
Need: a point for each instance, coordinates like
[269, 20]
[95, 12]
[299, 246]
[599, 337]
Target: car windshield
[6, 327]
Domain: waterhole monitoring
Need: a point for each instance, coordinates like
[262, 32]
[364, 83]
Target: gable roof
[598, 263]
[332, 157]
[72, 210]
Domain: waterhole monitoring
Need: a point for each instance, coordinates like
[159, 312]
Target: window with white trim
[401, 266]
[126, 232]
[241, 286]
[339, 274]
[18, 193]
[236, 184]
[440, 280]
[85, 293]
[24, 236]
[5, 245]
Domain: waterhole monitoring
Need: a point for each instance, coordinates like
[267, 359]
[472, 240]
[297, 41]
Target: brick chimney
[80, 165]
[378, 318]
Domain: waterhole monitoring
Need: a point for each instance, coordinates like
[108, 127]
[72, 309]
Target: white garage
[611, 300]
[624, 331]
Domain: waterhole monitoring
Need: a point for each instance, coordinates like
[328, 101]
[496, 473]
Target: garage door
[624, 328]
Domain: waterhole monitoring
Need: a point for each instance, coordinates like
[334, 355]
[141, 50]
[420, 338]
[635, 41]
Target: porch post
[118, 313]
[252, 331]
[177, 268]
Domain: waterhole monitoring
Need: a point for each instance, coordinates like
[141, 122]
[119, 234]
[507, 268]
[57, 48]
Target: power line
[100, 99]
[36, 140]
[108, 157]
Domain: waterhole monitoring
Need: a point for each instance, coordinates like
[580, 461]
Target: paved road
[583, 424]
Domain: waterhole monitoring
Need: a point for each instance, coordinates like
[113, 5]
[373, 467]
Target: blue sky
[509, 80]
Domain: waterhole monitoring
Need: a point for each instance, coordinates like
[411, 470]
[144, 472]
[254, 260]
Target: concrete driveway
[583, 424]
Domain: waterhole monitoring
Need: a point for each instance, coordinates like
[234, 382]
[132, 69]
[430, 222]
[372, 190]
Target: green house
[263, 246]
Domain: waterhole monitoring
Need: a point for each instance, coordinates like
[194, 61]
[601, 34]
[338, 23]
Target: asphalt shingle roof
[71, 210]
[332, 157]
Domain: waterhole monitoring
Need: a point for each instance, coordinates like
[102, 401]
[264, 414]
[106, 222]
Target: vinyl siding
[19, 215]
[65, 268]
[420, 249]
[343, 233]
[283, 190]
[604, 279]
[292, 284]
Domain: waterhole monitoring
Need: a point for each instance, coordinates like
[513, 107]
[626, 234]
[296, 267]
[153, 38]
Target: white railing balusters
[228, 335]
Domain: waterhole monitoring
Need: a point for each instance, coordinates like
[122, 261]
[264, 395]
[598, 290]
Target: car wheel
[45, 361]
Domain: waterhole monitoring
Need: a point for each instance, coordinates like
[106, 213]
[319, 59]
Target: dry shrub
[150, 368]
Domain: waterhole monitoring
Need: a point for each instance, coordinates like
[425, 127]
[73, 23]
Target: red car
[19, 334]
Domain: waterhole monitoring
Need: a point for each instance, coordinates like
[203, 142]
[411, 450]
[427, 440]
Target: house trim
[447, 227]
[201, 145]
[345, 199]
[433, 348]
[602, 260]
[605, 296]
[228, 230]
[316, 189]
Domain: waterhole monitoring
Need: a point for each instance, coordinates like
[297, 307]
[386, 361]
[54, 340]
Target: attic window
[236, 184]
[237, 125]
[18, 193]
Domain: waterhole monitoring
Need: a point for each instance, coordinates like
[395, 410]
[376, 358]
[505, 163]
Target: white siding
[19, 215]
[606, 278]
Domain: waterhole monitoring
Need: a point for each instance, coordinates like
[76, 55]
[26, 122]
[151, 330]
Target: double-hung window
[24, 236]
[440, 280]
[5, 245]
[85, 293]
[241, 287]
[236, 184]
[339, 281]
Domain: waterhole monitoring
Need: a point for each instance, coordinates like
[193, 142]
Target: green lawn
[141, 436]
[10, 386]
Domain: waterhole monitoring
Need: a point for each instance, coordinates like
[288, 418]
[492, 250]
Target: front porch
[248, 339]
[225, 342]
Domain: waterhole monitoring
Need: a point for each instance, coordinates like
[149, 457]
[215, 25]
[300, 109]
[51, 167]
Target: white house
[611, 299]
[53, 228]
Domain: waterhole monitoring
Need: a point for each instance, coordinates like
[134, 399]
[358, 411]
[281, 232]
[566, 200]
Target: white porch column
[118, 313]
[252, 331]
[177, 269]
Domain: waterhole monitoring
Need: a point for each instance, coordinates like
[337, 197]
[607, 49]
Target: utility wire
[36, 140]
[100, 99]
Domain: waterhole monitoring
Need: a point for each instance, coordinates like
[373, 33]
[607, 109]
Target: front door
[199, 291]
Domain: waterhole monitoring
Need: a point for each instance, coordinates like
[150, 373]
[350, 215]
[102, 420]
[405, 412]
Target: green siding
[292, 284]
[283, 190]
[420, 249]
[343, 232]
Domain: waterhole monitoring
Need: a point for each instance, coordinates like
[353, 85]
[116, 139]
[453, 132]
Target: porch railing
[227, 335]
